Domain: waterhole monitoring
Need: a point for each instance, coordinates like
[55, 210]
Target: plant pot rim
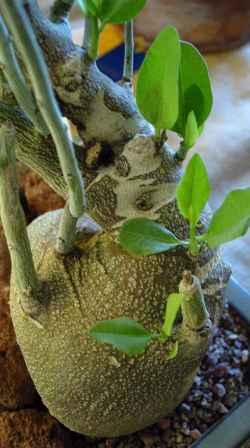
[234, 429]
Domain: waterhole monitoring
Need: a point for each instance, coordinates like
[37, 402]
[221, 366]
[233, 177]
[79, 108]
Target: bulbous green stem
[128, 65]
[67, 232]
[25, 41]
[16, 80]
[91, 37]
[60, 10]
[13, 221]
[194, 310]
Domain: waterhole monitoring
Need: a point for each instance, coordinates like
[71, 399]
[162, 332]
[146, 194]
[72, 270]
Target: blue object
[112, 63]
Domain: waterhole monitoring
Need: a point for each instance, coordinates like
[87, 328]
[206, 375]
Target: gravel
[223, 380]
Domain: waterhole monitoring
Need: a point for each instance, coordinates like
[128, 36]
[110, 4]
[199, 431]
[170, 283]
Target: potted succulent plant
[112, 309]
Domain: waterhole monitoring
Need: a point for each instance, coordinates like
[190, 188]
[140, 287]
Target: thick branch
[35, 150]
[26, 42]
[13, 220]
[102, 110]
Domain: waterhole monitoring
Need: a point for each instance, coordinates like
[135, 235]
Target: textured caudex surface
[91, 387]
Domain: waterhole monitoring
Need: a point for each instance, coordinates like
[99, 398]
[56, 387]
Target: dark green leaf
[231, 220]
[195, 88]
[142, 237]
[120, 11]
[193, 190]
[174, 302]
[128, 336]
[157, 86]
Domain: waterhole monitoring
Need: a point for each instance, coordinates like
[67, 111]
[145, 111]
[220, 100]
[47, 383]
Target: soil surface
[223, 379]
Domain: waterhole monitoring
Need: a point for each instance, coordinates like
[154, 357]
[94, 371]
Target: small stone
[185, 408]
[245, 356]
[219, 390]
[237, 373]
[186, 431]
[195, 434]
[205, 404]
[221, 370]
[179, 438]
[148, 439]
[164, 424]
[197, 381]
[220, 407]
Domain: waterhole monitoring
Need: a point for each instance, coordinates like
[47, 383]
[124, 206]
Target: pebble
[195, 434]
[185, 408]
[220, 407]
[220, 371]
[219, 390]
[164, 424]
[245, 356]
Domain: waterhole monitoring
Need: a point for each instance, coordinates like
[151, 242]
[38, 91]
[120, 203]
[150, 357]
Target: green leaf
[89, 7]
[172, 353]
[193, 190]
[231, 220]
[120, 11]
[128, 336]
[112, 11]
[173, 305]
[194, 87]
[157, 86]
[191, 131]
[141, 236]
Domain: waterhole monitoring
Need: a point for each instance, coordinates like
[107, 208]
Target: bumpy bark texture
[91, 387]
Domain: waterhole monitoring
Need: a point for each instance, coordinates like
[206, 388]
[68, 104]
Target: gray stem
[25, 41]
[16, 80]
[67, 232]
[128, 66]
[60, 10]
[13, 219]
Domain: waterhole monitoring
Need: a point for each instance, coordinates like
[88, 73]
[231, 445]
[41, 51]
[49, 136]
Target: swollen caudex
[90, 387]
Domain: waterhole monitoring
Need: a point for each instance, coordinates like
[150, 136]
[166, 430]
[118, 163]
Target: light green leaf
[157, 86]
[193, 190]
[195, 88]
[231, 220]
[191, 131]
[172, 353]
[174, 302]
[127, 335]
[142, 237]
[120, 11]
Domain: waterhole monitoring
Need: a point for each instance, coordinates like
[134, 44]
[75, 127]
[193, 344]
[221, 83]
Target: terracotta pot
[212, 25]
